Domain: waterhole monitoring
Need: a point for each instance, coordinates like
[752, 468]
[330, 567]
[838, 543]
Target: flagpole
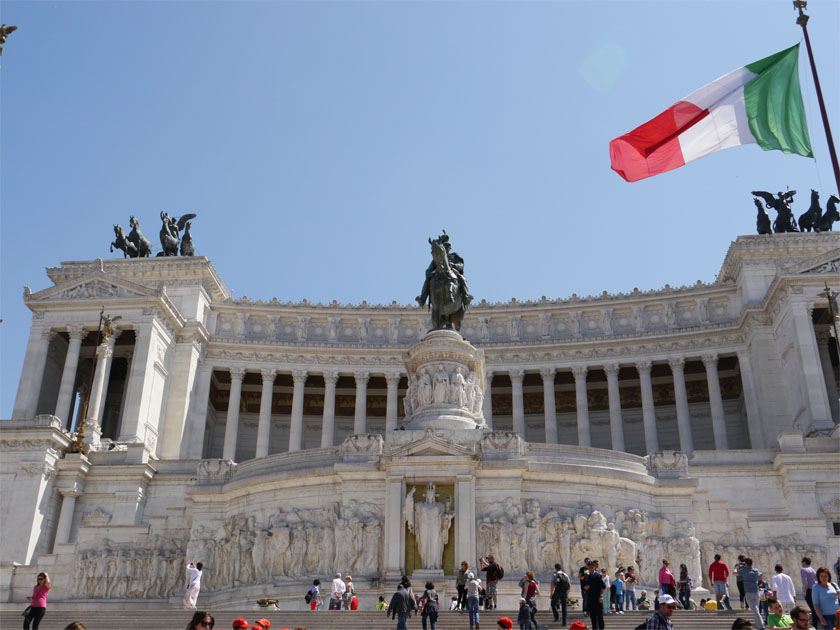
[802, 20]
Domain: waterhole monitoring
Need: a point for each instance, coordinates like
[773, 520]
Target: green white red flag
[760, 103]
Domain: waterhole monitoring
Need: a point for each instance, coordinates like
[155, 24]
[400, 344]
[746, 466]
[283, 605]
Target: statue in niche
[445, 286]
[429, 522]
[441, 385]
[458, 394]
[424, 392]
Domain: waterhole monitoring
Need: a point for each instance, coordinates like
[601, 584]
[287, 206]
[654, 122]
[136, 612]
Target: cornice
[775, 249]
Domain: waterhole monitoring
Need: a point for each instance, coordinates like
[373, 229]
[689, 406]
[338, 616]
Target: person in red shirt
[667, 583]
[718, 574]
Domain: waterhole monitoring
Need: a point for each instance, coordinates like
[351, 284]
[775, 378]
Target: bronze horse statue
[140, 242]
[128, 248]
[445, 296]
[810, 219]
[831, 214]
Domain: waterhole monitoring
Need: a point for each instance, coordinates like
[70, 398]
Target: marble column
[681, 399]
[360, 416]
[93, 425]
[487, 403]
[328, 425]
[232, 422]
[392, 403]
[648, 410]
[716, 402]
[549, 405]
[750, 399]
[582, 404]
[192, 446]
[107, 368]
[394, 529]
[824, 338]
[65, 518]
[516, 378]
[68, 375]
[32, 374]
[264, 426]
[296, 423]
[810, 377]
[465, 516]
[616, 421]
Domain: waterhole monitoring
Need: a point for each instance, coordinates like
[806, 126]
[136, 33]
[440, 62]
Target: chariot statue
[445, 286]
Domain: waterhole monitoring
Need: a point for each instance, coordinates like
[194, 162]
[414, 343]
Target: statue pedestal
[426, 575]
[446, 383]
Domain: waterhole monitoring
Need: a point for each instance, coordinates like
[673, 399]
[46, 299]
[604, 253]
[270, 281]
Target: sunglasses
[205, 624]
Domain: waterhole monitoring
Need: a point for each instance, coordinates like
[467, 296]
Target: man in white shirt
[783, 587]
[338, 588]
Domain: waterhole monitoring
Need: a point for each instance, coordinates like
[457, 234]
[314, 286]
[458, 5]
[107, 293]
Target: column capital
[644, 367]
[823, 334]
[236, 373]
[104, 350]
[489, 374]
[516, 375]
[48, 334]
[77, 332]
[362, 378]
[710, 360]
[69, 492]
[268, 374]
[299, 376]
[677, 363]
[548, 374]
[611, 369]
[330, 377]
[579, 371]
[393, 378]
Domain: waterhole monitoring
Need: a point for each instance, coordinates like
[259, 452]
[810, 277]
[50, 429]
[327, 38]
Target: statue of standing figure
[430, 522]
[445, 286]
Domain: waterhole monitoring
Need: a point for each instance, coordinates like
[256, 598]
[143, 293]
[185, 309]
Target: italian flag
[759, 103]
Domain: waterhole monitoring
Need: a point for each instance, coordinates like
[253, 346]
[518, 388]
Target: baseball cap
[265, 623]
[239, 622]
[666, 599]
[470, 575]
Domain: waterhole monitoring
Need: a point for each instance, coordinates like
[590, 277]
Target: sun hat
[666, 599]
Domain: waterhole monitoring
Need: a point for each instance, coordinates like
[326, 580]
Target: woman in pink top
[38, 602]
[667, 583]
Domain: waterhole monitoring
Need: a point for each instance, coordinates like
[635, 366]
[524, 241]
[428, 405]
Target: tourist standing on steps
[494, 574]
[560, 585]
[739, 581]
[583, 573]
[718, 575]
[809, 578]
[749, 577]
[349, 592]
[194, 586]
[685, 587]
[315, 601]
[430, 606]
[201, 620]
[595, 596]
[461, 585]
[667, 583]
[824, 595]
[337, 592]
[401, 606]
[783, 588]
[630, 588]
[618, 586]
[661, 619]
[38, 601]
[473, 587]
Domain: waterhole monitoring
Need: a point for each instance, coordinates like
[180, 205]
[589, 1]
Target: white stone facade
[270, 440]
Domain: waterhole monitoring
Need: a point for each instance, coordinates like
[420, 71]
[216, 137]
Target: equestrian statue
[445, 286]
[781, 204]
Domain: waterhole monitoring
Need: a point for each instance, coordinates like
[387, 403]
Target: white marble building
[267, 439]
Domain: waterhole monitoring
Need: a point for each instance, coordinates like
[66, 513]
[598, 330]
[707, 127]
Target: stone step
[57, 619]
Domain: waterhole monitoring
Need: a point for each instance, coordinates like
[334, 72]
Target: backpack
[643, 625]
[501, 572]
[308, 597]
[562, 581]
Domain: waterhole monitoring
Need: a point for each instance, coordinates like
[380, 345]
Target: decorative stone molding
[667, 464]
[96, 518]
[215, 471]
[268, 374]
[644, 367]
[362, 447]
[502, 445]
[330, 377]
[236, 373]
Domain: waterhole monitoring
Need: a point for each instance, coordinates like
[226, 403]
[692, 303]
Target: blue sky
[322, 143]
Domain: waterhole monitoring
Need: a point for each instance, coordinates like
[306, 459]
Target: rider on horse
[457, 264]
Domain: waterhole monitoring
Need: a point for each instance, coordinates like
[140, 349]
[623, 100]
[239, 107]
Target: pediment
[829, 262]
[432, 445]
[97, 285]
